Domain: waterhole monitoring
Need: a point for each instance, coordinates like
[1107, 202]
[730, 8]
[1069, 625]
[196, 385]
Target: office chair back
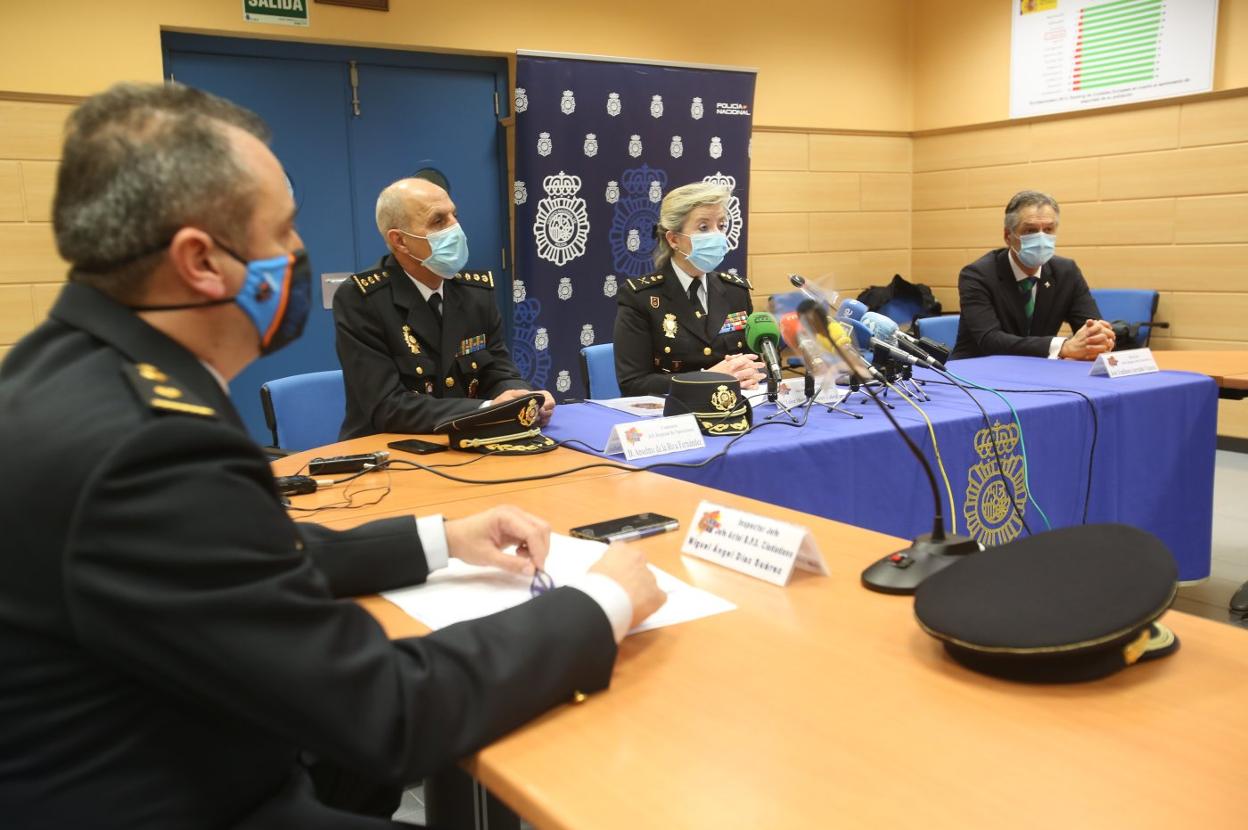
[1130, 305]
[942, 329]
[304, 411]
[598, 369]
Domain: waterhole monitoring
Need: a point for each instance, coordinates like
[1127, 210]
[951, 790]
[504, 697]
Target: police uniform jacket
[404, 372]
[170, 641]
[658, 332]
[994, 312]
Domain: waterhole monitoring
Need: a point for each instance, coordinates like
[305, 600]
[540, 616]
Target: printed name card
[755, 545]
[1121, 364]
[655, 436]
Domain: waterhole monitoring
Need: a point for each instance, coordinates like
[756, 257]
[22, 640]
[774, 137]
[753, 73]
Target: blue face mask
[448, 250]
[1035, 249]
[708, 249]
[276, 296]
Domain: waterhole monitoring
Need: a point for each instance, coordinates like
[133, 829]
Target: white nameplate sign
[655, 436]
[1121, 364]
[755, 545]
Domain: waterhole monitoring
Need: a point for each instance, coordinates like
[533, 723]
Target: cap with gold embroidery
[1066, 605]
[162, 393]
[508, 428]
[714, 399]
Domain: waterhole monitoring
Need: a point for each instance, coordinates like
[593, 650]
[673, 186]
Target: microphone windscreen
[759, 326]
[882, 327]
[851, 310]
[790, 326]
[860, 334]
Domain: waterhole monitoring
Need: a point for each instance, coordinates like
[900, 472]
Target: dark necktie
[435, 304]
[693, 293]
[1029, 297]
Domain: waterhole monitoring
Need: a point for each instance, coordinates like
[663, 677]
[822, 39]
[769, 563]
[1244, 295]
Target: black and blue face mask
[276, 296]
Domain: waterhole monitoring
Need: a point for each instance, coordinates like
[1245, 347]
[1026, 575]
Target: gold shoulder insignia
[642, 283]
[163, 393]
[733, 279]
[481, 279]
[370, 281]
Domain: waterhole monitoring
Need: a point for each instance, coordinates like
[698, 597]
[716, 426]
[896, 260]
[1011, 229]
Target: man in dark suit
[420, 340]
[173, 648]
[1014, 299]
[686, 316]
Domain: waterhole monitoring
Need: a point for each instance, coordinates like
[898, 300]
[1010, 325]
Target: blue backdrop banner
[598, 144]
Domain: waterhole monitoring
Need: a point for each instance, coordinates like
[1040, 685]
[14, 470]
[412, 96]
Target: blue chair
[1130, 305]
[781, 304]
[304, 411]
[943, 329]
[901, 311]
[598, 369]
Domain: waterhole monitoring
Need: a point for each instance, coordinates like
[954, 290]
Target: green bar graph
[1117, 44]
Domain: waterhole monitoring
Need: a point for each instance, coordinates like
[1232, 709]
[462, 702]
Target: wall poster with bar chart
[1069, 55]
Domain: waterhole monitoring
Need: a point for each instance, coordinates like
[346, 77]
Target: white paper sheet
[461, 592]
[643, 406]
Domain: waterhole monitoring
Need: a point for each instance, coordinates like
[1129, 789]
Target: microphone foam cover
[851, 310]
[760, 325]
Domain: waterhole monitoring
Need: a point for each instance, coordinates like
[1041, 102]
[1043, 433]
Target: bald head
[409, 203]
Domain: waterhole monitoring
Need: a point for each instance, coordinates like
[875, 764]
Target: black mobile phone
[637, 526]
[417, 447]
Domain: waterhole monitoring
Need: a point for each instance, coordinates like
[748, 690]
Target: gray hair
[1025, 199]
[676, 207]
[141, 161]
[392, 208]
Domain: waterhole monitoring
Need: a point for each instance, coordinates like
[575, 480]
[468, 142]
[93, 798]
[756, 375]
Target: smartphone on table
[417, 446]
[625, 528]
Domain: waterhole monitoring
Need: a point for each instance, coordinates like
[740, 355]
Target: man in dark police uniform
[419, 339]
[173, 648]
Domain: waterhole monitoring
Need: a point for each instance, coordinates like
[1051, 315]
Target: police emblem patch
[609, 286]
[564, 291]
[656, 192]
[410, 340]
[656, 106]
[544, 144]
[669, 321]
[591, 145]
[587, 334]
[564, 381]
[696, 110]
[613, 104]
[567, 104]
[724, 399]
[634, 239]
[677, 147]
[522, 99]
[634, 145]
[562, 224]
[613, 192]
[520, 193]
[717, 147]
[518, 291]
[541, 340]
[991, 499]
[528, 416]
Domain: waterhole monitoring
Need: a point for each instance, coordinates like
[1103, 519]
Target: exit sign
[286, 12]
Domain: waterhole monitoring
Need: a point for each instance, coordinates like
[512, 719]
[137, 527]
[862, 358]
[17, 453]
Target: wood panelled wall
[1151, 198]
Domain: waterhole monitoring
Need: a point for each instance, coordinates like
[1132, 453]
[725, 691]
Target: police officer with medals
[686, 316]
[421, 341]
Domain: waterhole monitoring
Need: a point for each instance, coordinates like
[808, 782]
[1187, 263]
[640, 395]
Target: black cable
[1087, 498]
[938, 521]
[996, 451]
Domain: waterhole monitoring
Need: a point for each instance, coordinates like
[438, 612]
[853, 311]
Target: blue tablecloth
[1152, 468]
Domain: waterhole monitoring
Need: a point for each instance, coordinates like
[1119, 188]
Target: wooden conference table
[1229, 369]
[823, 704]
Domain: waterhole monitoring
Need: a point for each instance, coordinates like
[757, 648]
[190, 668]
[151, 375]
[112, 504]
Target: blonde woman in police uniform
[686, 316]
[421, 341]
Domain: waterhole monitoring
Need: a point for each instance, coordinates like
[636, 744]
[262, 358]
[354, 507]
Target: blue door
[414, 112]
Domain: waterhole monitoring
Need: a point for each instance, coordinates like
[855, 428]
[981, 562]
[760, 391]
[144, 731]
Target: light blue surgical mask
[1035, 249]
[708, 249]
[448, 250]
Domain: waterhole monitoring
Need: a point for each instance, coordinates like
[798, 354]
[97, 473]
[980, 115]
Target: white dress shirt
[685, 279]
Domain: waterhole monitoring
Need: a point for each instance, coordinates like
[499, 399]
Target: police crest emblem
[724, 399]
[591, 145]
[520, 192]
[613, 104]
[562, 224]
[410, 340]
[613, 192]
[632, 220]
[735, 220]
[656, 106]
[609, 286]
[669, 323]
[522, 99]
[544, 145]
[634, 145]
[696, 109]
[564, 291]
[564, 382]
[717, 147]
[541, 340]
[587, 334]
[567, 104]
[518, 291]
[656, 192]
[993, 493]
[677, 147]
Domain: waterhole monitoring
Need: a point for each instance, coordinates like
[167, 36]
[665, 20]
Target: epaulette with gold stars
[481, 279]
[370, 281]
[163, 393]
[642, 283]
[733, 279]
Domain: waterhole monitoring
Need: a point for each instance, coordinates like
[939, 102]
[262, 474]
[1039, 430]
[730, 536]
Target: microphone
[851, 310]
[347, 463]
[814, 292]
[299, 485]
[799, 341]
[885, 329]
[762, 335]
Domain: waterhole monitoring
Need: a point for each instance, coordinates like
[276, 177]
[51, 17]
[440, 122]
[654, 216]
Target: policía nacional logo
[609, 286]
[562, 224]
[696, 110]
[677, 147]
[613, 104]
[717, 147]
[518, 291]
[634, 146]
[990, 499]
[522, 99]
[564, 291]
[613, 192]
[567, 104]
[520, 192]
[564, 381]
[656, 106]
[541, 340]
[656, 192]
[735, 220]
[591, 145]
[544, 144]
[587, 334]
[724, 399]
[634, 240]
[633, 220]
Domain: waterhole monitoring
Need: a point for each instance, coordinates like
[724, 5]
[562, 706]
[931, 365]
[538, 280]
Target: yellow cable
[953, 510]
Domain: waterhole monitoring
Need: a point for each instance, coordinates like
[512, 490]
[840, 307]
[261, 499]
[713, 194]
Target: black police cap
[714, 399]
[508, 428]
[1063, 606]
